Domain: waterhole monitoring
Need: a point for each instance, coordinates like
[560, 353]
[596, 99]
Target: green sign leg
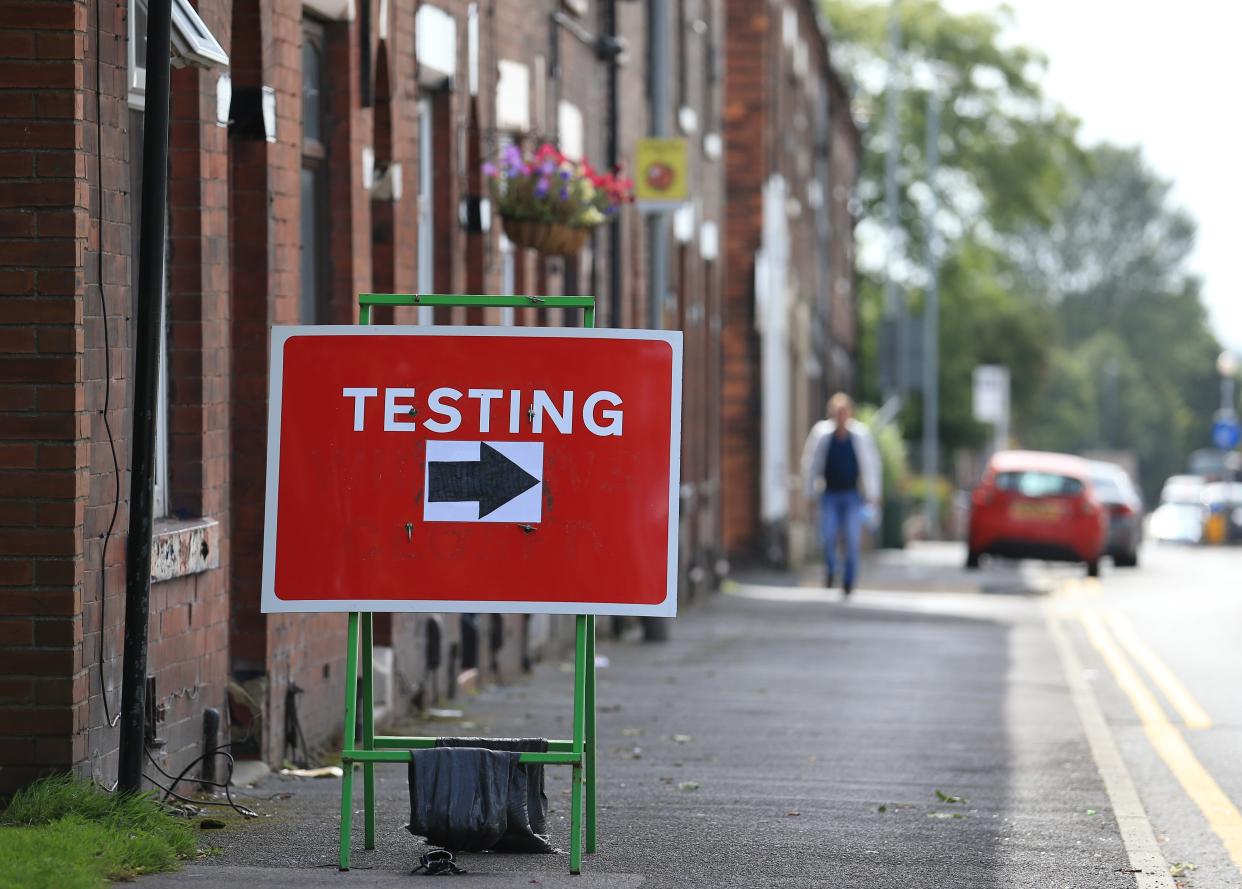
[591, 777]
[347, 743]
[368, 728]
[575, 792]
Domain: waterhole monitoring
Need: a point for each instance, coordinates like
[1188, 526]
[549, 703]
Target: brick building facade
[790, 326]
[329, 150]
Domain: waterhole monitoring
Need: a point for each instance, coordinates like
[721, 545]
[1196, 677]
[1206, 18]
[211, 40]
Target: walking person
[841, 467]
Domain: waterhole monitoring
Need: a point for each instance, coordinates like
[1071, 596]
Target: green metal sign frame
[578, 752]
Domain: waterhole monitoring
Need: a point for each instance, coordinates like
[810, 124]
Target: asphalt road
[916, 736]
[1159, 646]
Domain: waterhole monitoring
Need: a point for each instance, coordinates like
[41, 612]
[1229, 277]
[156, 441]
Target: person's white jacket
[815, 456]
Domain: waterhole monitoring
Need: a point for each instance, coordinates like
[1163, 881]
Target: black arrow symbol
[493, 480]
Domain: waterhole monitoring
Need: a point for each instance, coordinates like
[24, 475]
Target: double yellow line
[1120, 647]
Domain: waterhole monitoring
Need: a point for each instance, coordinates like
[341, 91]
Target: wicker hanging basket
[548, 238]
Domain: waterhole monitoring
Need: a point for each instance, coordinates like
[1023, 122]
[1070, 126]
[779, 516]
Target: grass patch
[62, 833]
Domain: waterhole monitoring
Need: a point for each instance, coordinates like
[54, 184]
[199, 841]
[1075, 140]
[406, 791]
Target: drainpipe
[657, 221]
[656, 629]
[152, 238]
[612, 158]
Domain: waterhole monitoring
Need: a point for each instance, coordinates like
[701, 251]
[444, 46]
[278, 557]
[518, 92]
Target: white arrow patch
[493, 481]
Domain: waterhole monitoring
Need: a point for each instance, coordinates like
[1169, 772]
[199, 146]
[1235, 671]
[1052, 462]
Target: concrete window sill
[181, 547]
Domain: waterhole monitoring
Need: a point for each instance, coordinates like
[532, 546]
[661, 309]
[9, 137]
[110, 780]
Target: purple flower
[610, 210]
[547, 167]
[541, 187]
[489, 170]
[564, 194]
[512, 156]
[565, 174]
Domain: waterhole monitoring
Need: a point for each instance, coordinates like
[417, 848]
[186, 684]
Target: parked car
[1037, 505]
[1176, 522]
[1115, 491]
[1183, 489]
[1181, 516]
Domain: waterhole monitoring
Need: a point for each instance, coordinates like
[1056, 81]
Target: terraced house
[327, 148]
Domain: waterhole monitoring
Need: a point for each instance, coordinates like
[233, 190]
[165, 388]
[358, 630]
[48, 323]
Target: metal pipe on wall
[657, 222]
[149, 311]
[612, 154]
[656, 629]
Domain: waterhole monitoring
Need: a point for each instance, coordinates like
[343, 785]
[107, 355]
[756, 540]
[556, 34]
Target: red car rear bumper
[1081, 540]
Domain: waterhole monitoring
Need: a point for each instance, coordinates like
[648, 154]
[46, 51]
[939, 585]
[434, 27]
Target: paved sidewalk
[781, 739]
[940, 566]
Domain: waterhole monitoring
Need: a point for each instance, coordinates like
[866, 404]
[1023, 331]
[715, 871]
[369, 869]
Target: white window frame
[570, 130]
[435, 44]
[508, 258]
[192, 44]
[160, 488]
[508, 278]
[426, 208]
[137, 75]
[512, 96]
[192, 41]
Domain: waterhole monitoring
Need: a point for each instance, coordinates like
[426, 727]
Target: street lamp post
[931, 330]
[1227, 367]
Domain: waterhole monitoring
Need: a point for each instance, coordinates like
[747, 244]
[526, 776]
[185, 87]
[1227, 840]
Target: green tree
[1066, 416]
[1067, 265]
[1004, 157]
[1113, 267]
[1004, 150]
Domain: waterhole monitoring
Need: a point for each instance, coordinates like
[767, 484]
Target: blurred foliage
[1067, 264]
[1004, 150]
[942, 491]
[1004, 157]
[1134, 332]
[893, 460]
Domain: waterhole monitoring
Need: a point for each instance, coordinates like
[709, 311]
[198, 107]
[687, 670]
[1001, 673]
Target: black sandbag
[536, 798]
[459, 798]
[471, 799]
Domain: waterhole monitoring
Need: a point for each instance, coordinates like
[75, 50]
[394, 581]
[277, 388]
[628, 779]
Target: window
[313, 299]
[160, 488]
[192, 44]
[1039, 484]
[137, 52]
[160, 491]
[435, 45]
[512, 97]
[312, 87]
[508, 278]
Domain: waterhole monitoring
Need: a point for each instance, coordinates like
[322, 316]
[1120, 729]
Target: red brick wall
[45, 200]
[747, 152]
[774, 106]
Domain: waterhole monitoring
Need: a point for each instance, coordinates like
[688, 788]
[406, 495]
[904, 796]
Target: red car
[1038, 505]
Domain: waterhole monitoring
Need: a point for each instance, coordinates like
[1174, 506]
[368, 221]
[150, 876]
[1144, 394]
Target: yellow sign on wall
[663, 169]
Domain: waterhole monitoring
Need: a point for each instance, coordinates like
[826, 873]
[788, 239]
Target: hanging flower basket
[550, 204]
[550, 238]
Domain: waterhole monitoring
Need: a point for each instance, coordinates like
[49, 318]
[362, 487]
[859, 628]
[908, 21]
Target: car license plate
[1036, 511]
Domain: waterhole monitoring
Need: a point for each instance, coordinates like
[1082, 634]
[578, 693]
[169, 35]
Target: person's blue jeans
[841, 514]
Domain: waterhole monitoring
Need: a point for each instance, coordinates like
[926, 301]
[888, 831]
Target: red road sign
[473, 469]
